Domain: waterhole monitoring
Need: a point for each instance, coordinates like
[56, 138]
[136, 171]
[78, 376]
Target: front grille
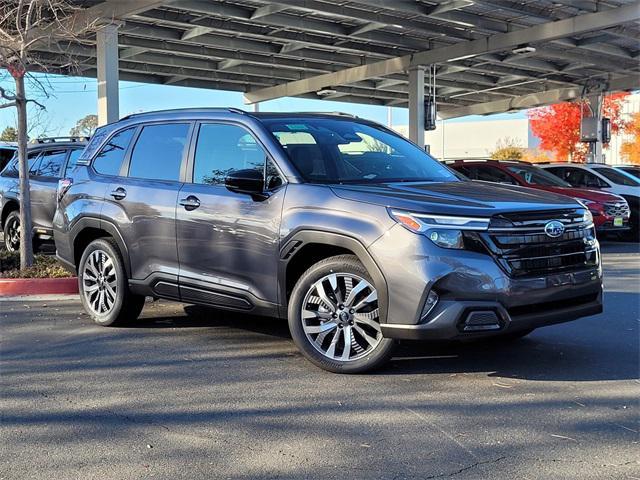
[617, 209]
[522, 248]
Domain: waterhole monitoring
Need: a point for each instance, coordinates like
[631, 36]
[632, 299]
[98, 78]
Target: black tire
[11, 222]
[126, 307]
[363, 361]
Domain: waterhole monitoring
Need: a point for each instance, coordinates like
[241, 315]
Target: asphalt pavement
[195, 393]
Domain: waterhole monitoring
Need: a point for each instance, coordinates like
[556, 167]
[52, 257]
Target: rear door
[143, 199]
[227, 241]
[43, 181]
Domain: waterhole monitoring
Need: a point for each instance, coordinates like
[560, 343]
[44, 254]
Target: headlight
[588, 205]
[443, 230]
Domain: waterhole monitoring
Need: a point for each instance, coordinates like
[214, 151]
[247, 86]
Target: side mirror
[249, 181]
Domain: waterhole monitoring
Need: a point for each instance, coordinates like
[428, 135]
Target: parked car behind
[344, 227]
[49, 160]
[7, 151]
[610, 212]
[603, 178]
[630, 169]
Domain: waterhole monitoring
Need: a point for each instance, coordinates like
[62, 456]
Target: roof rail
[463, 160]
[189, 109]
[339, 114]
[59, 139]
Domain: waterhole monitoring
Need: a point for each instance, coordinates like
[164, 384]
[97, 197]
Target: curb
[13, 287]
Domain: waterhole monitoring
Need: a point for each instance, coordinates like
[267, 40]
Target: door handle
[190, 203]
[119, 193]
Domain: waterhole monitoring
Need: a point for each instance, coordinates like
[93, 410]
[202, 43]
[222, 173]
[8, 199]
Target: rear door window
[158, 152]
[109, 160]
[49, 164]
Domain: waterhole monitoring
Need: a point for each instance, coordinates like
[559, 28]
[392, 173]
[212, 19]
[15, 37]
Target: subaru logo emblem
[554, 229]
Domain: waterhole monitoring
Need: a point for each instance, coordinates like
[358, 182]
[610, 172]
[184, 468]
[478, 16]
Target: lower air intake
[481, 321]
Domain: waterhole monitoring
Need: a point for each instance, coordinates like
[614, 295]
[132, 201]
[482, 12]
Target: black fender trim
[105, 225]
[306, 237]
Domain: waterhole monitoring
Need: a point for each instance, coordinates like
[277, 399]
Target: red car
[610, 212]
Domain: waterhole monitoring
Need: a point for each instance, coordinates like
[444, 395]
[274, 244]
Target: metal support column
[416, 105]
[107, 66]
[595, 148]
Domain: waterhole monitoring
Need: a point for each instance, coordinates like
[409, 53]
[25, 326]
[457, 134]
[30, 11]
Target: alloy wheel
[12, 242]
[340, 317]
[99, 282]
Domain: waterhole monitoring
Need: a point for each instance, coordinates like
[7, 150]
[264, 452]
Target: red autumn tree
[631, 148]
[558, 126]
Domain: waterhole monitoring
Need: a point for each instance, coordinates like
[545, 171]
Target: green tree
[85, 126]
[9, 134]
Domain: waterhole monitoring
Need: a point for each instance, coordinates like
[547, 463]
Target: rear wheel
[12, 231]
[104, 286]
[334, 317]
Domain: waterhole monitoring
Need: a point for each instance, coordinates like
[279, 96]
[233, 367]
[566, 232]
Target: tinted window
[537, 176]
[109, 160]
[635, 171]
[74, 156]
[49, 163]
[488, 174]
[616, 177]
[328, 150]
[158, 152]
[579, 177]
[6, 154]
[222, 149]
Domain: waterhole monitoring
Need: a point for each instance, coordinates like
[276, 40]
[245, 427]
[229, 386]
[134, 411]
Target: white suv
[605, 178]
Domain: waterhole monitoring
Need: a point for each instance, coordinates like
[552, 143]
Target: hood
[583, 193]
[473, 198]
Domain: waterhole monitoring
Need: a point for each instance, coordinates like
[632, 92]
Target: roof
[492, 55]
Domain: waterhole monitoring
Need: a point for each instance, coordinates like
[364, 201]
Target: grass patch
[43, 267]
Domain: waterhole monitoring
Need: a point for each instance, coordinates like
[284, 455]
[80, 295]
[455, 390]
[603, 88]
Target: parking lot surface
[196, 393]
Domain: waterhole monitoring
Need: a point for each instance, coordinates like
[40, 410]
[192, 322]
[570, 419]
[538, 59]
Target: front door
[228, 241]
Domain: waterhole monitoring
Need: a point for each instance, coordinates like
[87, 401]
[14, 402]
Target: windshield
[326, 150]
[617, 177]
[537, 176]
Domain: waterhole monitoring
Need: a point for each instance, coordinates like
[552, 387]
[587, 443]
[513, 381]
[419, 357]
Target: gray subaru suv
[347, 229]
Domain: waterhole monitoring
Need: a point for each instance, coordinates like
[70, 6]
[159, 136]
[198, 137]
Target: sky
[71, 98]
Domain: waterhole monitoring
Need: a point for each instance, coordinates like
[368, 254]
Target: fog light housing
[447, 238]
[429, 304]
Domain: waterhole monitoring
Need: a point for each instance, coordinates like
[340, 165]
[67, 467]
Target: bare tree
[25, 27]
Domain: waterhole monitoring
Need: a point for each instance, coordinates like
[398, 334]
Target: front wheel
[334, 317]
[104, 286]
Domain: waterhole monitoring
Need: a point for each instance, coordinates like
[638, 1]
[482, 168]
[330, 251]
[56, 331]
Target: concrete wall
[475, 139]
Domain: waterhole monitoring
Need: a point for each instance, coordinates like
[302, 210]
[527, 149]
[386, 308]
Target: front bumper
[470, 283]
[449, 322]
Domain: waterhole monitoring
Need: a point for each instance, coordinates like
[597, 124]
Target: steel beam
[498, 42]
[539, 99]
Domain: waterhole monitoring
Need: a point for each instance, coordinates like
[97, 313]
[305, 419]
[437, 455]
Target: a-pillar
[416, 105]
[107, 63]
